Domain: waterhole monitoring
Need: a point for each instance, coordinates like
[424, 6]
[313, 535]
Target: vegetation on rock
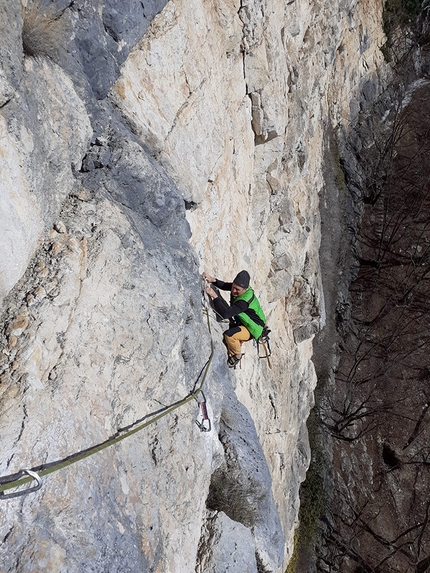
[43, 30]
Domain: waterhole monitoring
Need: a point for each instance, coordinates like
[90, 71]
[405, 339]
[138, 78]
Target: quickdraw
[264, 341]
[205, 424]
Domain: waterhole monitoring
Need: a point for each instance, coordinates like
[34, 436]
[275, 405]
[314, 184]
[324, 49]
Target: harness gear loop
[264, 340]
[32, 476]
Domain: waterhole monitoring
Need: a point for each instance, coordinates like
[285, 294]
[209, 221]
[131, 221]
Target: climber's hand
[208, 277]
[210, 292]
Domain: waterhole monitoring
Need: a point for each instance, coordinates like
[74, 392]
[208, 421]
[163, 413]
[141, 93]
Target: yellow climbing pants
[234, 337]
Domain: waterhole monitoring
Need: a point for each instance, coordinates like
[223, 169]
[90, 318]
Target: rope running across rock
[26, 476]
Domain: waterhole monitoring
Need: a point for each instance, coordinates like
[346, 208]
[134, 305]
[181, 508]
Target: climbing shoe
[233, 361]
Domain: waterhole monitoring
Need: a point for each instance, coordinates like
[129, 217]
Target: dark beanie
[242, 279]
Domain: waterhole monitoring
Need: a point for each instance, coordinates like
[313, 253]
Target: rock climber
[247, 319]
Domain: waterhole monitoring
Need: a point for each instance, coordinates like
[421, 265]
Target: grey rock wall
[101, 311]
[158, 140]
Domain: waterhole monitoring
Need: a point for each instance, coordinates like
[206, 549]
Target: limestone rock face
[44, 132]
[174, 85]
[161, 140]
[226, 541]
[243, 139]
[241, 486]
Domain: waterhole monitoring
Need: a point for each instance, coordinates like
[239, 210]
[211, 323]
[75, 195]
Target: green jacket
[253, 318]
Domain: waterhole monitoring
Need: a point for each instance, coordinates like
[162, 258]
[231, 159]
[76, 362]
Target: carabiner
[205, 424]
[19, 475]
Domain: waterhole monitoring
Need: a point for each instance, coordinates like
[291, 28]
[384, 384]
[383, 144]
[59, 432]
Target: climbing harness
[205, 424]
[264, 341]
[25, 477]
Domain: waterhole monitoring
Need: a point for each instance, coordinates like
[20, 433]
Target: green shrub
[292, 563]
[313, 498]
[312, 491]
